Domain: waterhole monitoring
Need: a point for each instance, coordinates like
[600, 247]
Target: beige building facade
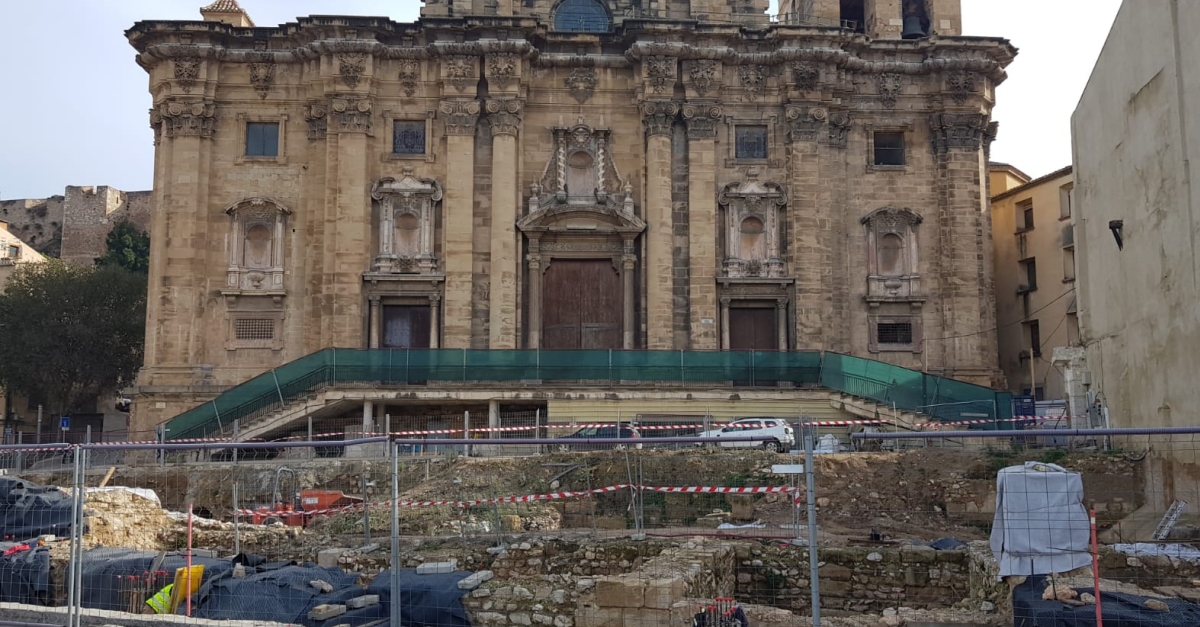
[578, 174]
[13, 253]
[1034, 250]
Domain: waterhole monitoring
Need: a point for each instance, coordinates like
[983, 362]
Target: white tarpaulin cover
[1041, 525]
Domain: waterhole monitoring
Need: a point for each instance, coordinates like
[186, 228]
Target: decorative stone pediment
[753, 213]
[406, 217]
[581, 174]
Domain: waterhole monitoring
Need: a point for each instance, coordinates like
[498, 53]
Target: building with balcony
[574, 175]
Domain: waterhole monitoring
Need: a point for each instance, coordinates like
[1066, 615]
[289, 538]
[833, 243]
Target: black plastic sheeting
[1120, 610]
[25, 575]
[28, 510]
[280, 592]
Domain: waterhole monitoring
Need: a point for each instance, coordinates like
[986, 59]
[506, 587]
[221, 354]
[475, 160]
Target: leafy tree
[69, 333]
[126, 247]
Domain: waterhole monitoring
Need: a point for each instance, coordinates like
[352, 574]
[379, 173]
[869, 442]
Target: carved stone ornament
[658, 117]
[806, 74]
[581, 83]
[753, 253]
[316, 116]
[460, 71]
[895, 279]
[256, 246]
[502, 69]
[839, 128]
[957, 130]
[410, 72]
[754, 79]
[417, 198]
[702, 72]
[581, 175]
[989, 136]
[701, 120]
[351, 115]
[262, 77]
[351, 66]
[186, 119]
[962, 85]
[806, 122]
[889, 89]
[661, 71]
[504, 116]
[187, 71]
[460, 116]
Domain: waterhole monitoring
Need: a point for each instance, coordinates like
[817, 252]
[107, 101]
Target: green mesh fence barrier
[890, 385]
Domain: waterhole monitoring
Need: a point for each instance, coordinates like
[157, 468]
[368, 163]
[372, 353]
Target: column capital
[805, 123]
[628, 262]
[781, 303]
[375, 299]
[701, 119]
[435, 299]
[965, 131]
[725, 300]
[460, 116]
[182, 119]
[658, 116]
[504, 116]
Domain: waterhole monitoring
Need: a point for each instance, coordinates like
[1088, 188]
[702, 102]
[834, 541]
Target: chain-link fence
[590, 531]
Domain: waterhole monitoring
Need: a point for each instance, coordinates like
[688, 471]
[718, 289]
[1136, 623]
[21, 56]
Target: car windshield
[586, 432]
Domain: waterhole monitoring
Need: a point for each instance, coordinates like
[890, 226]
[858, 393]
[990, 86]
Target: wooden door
[752, 329]
[581, 305]
[405, 326]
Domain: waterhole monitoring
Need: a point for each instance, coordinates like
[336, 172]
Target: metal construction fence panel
[602, 533]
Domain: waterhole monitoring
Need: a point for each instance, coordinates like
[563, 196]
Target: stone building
[1034, 254]
[13, 252]
[74, 226]
[587, 174]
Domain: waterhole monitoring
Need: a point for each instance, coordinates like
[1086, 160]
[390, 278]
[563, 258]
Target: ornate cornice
[504, 116]
[701, 119]
[460, 116]
[172, 118]
[658, 116]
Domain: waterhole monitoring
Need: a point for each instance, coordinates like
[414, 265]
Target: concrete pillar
[702, 223]
[493, 417]
[504, 117]
[435, 320]
[460, 117]
[658, 117]
[368, 421]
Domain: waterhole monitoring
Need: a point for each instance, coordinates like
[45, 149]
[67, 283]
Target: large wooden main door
[581, 305]
[753, 329]
[406, 326]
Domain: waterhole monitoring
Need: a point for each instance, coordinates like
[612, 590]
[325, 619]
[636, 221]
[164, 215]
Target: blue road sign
[65, 422]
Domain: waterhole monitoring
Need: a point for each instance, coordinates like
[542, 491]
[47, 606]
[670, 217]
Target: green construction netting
[905, 389]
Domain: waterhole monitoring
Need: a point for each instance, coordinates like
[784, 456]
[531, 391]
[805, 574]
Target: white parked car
[780, 436]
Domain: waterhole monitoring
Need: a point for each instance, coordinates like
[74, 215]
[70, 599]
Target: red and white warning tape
[985, 421]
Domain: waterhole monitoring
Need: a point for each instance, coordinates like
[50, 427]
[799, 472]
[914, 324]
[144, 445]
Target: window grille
[751, 142]
[581, 16]
[894, 333]
[249, 329]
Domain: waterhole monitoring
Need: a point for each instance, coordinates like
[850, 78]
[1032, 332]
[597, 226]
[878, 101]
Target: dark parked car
[610, 431]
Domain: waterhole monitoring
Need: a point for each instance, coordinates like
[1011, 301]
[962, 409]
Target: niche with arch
[406, 224]
[255, 245]
[753, 213]
[892, 259]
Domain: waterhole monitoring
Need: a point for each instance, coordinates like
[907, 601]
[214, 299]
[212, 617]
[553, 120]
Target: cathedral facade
[569, 174]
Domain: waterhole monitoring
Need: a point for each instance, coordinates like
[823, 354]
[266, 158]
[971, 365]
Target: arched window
[754, 239]
[891, 255]
[581, 16]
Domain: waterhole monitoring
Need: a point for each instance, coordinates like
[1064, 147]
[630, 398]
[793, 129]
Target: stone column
[435, 320]
[504, 117]
[460, 117]
[781, 324]
[658, 117]
[810, 226]
[375, 337]
[534, 260]
[628, 321]
[724, 324]
[702, 222]
[348, 224]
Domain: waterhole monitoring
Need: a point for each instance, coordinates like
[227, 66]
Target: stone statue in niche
[753, 212]
[406, 217]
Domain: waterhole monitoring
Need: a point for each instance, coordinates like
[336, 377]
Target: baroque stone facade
[567, 175]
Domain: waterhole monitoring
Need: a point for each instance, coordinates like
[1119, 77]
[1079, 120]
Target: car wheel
[773, 445]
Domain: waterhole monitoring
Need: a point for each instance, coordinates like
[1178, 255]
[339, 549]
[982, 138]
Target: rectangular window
[408, 137]
[251, 329]
[262, 139]
[1028, 275]
[889, 148]
[894, 333]
[14, 252]
[1066, 194]
[1024, 215]
[1034, 337]
[751, 142]
[1068, 264]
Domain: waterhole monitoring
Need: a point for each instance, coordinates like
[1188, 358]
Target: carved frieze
[185, 119]
[351, 67]
[701, 120]
[187, 71]
[806, 74]
[957, 130]
[504, 116]
[661, 73]
[657, 117]
[262, 77]
[410, 73]
[806, 122]
[562, 246]
[581, 83]
[316, 115]
[502, 69]
[460, 116]
[890, 86]
[350, 115]
[460, 71]
[703, 75]
[961, 84]
[754, 80]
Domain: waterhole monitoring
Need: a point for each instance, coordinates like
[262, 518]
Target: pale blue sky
[74, 103]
